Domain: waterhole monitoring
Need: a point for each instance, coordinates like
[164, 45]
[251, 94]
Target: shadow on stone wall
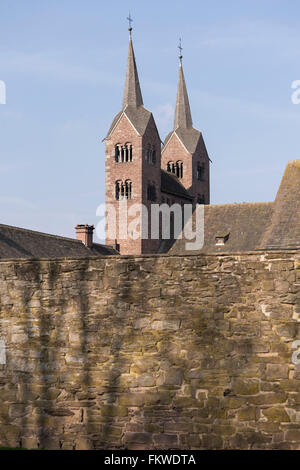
[149, 353]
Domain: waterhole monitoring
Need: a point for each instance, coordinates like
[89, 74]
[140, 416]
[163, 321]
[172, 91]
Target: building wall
[151, 175]
[140, 173]
[191, 352]
[201, 187]
[175, 151]
[123, 133]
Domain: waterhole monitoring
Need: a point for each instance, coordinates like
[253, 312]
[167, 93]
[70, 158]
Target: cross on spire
[130, 20]
[180, 50]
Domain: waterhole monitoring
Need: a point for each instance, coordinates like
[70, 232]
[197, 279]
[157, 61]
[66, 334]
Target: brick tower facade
[140, 174]
[133, 162]
[184, 152]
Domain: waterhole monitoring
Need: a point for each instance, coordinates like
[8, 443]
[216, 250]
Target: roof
[139, 117]
[183, 116]
[284, 230]
[132, 90]
[132, 105]
[189, 138]
[183, 124]
[245, 223]
[18, 242]
[252, 226]
[170, 184]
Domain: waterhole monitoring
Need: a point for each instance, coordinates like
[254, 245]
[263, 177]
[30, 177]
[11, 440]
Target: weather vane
[130, 20]
[180, 50]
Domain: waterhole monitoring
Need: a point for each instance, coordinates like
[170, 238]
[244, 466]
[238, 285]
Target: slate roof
[132, 105]
[245, 223]
[252, 226]
[132, 90]
[183, 124]
[18, 242]
[183, 116]
[284, 230]
[170, 184]
[189, 138]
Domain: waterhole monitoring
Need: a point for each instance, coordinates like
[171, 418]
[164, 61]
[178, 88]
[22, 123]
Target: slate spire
[132, 90]
[183, 117]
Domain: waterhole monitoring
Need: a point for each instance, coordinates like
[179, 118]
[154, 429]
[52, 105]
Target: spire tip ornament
[180, 51]
[130, 20]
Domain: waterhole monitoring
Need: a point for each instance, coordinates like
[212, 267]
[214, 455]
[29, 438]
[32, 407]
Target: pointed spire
[132, 90]
[183, 117]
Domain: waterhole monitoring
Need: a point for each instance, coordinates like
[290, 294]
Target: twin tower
[140, 170]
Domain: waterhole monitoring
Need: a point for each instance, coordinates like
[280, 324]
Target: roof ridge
[241, 203]
[176, 179]
[21, 229]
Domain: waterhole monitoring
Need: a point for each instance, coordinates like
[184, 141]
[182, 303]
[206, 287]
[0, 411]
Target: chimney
[84, 233]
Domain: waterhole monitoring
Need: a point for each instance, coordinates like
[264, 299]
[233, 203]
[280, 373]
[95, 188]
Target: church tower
[184, 152]
[133, 162]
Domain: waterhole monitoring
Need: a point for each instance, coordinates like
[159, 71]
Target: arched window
[123, 153]
[128, 189]
[151, 192]
[200, 172]
[118, 190]
[123, 190]
[151, 154]
[117, 153]
[171, 167]
[130, 152]
[179, 169]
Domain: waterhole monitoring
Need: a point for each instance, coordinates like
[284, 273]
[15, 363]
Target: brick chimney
[84, 233]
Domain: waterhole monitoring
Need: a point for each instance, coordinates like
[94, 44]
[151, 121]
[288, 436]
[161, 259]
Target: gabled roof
[170, 184]
[252, 226]
[139, 118]
[245, 224]
[189, 138]
[284, 230]
[18, 242]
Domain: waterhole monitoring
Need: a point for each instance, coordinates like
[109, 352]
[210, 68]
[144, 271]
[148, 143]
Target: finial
[130, 20]
[180, 51]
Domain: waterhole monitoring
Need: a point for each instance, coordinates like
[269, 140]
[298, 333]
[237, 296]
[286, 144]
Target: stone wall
[153, 352]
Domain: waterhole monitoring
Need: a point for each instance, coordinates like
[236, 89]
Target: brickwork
[124, 132]
[140, 172]
[175, 151]
[135, 126]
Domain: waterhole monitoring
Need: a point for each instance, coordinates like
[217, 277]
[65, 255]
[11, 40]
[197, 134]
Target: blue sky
[63, 62]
